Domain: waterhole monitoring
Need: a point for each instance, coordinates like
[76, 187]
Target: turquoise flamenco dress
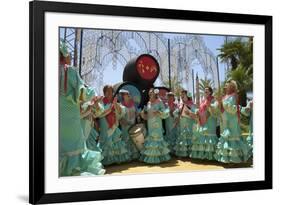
[231, 147]
[185, 131]
[88, 124]
[128, 120]
[249, 139]
[205, 139]
[92, 140]
[171, 130]
[155, 148]
[74, 157]
[113, 146]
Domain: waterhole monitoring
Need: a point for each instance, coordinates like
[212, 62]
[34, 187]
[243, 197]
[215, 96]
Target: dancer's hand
[115, 101]
[187, 112]
[116, 105]
[156, 113]
[247, 109]
[96, 100]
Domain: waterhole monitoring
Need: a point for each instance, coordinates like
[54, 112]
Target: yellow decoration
[153, 69]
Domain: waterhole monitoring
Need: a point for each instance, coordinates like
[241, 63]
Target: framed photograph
[130, 102]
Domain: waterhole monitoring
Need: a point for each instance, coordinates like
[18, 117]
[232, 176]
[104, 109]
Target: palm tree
[228, 53]
[247, 58]
[237, 52]
[244, 80]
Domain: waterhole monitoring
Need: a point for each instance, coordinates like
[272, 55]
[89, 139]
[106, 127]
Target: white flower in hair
[156, 91]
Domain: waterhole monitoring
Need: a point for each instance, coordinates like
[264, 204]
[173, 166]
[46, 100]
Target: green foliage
[244, 124]
[239, 53]
[244, 80]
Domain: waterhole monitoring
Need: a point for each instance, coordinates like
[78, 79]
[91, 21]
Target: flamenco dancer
[75, 158]
[204, 139]
[90, 111]
[185, 123]
[171, 130]
[155, 147]
[248, 111]
[113, 147]
[231, 148]
[127, 121]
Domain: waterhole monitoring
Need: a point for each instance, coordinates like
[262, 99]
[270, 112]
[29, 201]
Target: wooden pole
[218, 72]
[81, 49]
[169, 64]
[197, 91]
[64, 37]
[76, 40]
[193, 94]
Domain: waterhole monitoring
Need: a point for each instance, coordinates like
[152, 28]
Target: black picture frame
[37, 10]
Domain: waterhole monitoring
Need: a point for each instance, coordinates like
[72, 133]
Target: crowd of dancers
[94, 130]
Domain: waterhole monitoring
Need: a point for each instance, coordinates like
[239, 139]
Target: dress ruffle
[249, 141]
[155, 150]
[231, 149]
[183, 143]
[91, 142]
[114, 149]
[130, 145]
[171, 138]
[85, 162]
[203, 145]
[171, 133]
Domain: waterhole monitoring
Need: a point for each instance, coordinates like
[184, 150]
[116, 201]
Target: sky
[213, 42]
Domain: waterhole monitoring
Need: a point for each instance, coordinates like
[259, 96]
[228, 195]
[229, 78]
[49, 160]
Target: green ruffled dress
[155, 147]
[113, 146]
[129, 120]
[92, 141]
[88, 125]
[205, 139]
[249, 139]
[231, 147]
[185, 131]
[74, 157]
[171, 131]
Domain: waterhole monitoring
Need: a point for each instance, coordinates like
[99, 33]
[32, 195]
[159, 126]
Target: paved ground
[174, 165]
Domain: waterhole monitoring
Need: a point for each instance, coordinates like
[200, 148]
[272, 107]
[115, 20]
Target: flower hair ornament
[156, 91]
